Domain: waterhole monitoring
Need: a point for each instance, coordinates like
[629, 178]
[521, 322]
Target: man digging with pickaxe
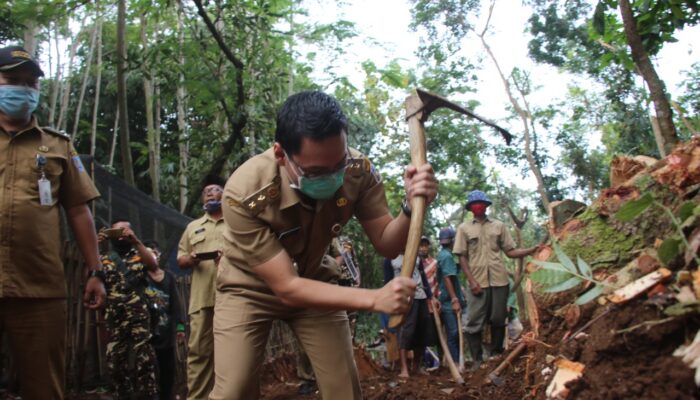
[418, 107]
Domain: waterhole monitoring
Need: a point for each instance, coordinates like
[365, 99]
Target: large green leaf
[566, 285]
[548, 277]
[564, 259]
[590, 295]
[686, 210]
[551, 266]
[633, 208]
[670, 249]
[584, 268]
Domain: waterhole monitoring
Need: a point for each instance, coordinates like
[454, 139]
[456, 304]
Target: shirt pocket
[198, 241]
[494, 239]
[472, 244]
[52, 170]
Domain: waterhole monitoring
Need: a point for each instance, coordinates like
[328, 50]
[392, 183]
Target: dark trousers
[166, 372]
[36, 329]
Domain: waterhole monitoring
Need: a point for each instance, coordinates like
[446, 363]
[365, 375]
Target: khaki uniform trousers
[36, 329]
[200, 357]
[242, 322]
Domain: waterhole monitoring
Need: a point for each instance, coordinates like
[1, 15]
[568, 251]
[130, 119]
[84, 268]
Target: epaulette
[257, 201]
[358, 166]
[54, 132]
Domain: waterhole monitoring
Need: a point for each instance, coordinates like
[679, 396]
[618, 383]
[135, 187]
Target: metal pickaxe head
[432, 102]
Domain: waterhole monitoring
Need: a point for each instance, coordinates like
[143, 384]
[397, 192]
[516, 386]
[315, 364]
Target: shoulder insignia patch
[358, 166]
[54, 132]
[257, 201]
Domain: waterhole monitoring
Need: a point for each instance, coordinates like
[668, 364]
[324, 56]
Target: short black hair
[310, 114]
[120, 219]
[213, 180]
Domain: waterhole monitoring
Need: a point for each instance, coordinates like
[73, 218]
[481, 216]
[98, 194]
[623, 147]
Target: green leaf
[552, 266]
[633, 208]
[599, 18]
[566, 285]
[590, 295]
[686, 210]
[584, 268]
[669, 250]
[548, 277]
[564, 259]
[692, 307]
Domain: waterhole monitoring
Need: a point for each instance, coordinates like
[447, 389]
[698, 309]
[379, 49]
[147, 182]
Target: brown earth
[630, 365]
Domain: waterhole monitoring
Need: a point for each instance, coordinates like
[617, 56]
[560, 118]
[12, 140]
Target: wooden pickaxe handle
[446, 350]
[461, 339]
[416, 134]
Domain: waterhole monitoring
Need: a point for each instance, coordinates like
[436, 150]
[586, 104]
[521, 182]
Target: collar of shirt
[476, 221]
[33, 123]
[289, 195]
[208, 218]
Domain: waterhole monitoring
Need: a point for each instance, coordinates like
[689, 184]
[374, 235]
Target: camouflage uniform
[130, 355]
[345, 278]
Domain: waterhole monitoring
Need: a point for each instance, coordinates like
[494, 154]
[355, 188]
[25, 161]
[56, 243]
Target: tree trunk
[148, 92]
[86, 75]
[657, 89]
[524, 117]
[115, 132]
[57, 79]
[30, 31]
[183, 143]
[65, 94]
[98, 82]
[127, 163]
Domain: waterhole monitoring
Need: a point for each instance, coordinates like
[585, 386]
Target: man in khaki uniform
[478, 244]
[282, 208]
[202, 235]
[39, 169]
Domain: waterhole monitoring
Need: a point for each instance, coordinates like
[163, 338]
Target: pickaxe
[419, 105]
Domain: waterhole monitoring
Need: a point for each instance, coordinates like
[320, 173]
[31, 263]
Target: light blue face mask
[322, 187]
[18, 102]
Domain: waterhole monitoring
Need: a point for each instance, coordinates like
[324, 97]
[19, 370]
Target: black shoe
[474, 343]
[498, 336]
[307, 387]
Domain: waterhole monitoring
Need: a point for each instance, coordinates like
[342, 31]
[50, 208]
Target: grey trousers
[490, 305]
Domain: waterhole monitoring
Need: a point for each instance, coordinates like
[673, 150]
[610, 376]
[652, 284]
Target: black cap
[12, 57]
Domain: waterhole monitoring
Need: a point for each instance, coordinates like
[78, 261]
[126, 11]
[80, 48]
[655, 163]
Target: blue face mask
[18, 102]
[322, 187]
[212, 206]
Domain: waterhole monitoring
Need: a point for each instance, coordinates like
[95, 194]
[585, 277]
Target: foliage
[565, 275]
[675, 244]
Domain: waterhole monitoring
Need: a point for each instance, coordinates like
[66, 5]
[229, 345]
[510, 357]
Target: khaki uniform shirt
[264, 216]
[202, 235]
[482, 244]
[30, 240]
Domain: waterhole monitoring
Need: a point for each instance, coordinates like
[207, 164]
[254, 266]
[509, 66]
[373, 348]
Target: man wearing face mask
[131, 358]
[203, 235]
[39, 170]
[478, 244]
[282, 208]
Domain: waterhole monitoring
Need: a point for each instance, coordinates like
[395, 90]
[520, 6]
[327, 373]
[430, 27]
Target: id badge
[45, 192]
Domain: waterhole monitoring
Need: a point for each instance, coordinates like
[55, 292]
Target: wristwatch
[97, 273]
[406, 208]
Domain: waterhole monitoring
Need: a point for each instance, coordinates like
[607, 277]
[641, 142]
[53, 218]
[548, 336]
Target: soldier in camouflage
[344, 245]
[130, 355]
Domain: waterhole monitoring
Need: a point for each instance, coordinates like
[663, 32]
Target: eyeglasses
[212, 189]
[317, 174]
